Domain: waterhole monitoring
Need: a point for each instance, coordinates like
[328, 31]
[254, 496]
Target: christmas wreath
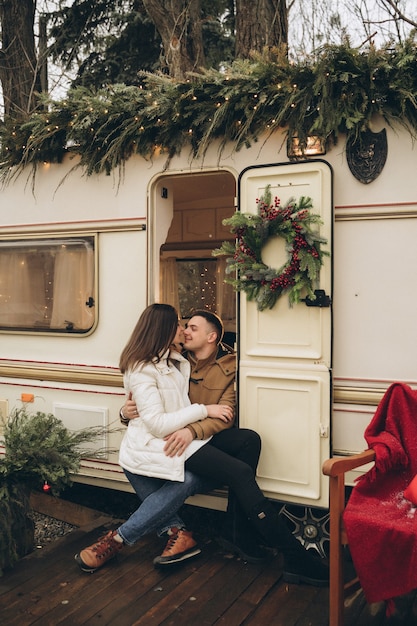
[298, 227]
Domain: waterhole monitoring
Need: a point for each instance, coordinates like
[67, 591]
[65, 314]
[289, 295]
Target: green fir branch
[39, 448]
[338, 91]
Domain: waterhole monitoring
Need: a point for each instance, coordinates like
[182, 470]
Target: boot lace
[172, 540]
[104, 546]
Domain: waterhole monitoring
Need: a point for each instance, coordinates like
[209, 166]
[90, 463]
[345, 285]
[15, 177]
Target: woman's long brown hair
[151, 337]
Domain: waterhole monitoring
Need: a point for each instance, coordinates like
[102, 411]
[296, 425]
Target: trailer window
[47, 285]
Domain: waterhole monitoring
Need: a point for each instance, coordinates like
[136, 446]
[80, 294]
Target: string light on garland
[323, 96]
[295, 223]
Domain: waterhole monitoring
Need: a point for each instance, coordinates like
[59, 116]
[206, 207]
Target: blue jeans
[161, 500]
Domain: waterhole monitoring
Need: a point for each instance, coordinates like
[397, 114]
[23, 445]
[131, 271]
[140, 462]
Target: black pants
[230, 458]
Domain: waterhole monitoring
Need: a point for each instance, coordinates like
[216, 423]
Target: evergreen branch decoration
[295, 223]
[337, 92]
[39, 449]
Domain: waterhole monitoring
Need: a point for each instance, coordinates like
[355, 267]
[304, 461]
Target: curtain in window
[22, 290]
[73, 286]
[225, 295]
[169, 283]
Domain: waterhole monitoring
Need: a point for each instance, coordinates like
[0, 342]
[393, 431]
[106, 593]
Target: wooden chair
[336, 469]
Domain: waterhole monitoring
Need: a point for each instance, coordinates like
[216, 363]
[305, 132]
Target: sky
[315, 22]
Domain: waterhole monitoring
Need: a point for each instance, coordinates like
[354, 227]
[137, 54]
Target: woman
[157, 376]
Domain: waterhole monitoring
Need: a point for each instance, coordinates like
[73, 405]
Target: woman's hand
[129, 409]
[220, 411]
[177, 442]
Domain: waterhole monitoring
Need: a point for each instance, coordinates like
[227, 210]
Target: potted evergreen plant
[39, 451]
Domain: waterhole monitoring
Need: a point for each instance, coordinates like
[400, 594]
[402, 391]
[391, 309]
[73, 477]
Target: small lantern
[315, 146]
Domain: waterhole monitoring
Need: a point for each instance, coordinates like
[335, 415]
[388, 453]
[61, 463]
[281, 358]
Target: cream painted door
[285, 353]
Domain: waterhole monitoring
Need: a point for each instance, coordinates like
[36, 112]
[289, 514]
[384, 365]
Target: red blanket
[381, 524]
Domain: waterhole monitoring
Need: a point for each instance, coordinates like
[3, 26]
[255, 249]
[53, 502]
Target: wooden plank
[178, 593]
[57, 571]
[63, 510]
[142, 592]
[245, 604]
[206, 602]
[47, 588]
[27, 571]
[281, 607]
[101, 589]
[314, 613]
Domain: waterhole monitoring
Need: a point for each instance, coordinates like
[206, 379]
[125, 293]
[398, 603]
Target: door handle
[321, 300]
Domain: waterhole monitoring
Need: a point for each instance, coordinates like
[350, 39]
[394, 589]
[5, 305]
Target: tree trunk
[18, 63]
[260, 24]
[179, 24]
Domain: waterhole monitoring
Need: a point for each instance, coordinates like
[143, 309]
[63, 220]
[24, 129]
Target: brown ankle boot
[180, 546]
[99, 553]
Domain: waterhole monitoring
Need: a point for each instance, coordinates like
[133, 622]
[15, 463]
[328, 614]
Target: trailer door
[285, 353]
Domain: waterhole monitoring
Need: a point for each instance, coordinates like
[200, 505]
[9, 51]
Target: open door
[285, 352]
[185, 225]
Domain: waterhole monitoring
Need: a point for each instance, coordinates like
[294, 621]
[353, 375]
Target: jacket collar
[216, 357]
[163, 365]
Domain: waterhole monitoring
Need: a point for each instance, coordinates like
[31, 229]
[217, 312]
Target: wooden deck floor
[47, 588]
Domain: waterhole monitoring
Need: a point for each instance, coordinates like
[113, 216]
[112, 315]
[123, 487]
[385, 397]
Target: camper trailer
[81, 256]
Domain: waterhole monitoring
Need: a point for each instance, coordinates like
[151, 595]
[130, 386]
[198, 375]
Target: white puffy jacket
[160, 391]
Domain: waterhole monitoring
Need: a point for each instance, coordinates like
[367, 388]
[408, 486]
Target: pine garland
[337, 92]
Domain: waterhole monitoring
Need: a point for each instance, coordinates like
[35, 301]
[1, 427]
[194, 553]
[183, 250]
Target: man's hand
[177, 442]
[220, 411]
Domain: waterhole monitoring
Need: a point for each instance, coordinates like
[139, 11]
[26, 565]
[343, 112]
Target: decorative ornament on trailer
[298, 227]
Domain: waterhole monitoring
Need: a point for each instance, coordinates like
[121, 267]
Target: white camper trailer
[81, 256]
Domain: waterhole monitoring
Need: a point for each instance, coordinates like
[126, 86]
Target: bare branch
[398, 13]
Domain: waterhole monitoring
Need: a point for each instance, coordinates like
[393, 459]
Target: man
[212, 381]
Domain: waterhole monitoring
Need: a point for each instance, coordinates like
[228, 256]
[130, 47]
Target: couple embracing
[182, 439]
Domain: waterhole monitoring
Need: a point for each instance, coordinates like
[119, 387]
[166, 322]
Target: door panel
[285, 352]
[284, 408]
[282, 333]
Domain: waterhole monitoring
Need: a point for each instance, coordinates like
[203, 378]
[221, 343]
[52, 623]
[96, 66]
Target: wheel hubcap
[310, 526]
